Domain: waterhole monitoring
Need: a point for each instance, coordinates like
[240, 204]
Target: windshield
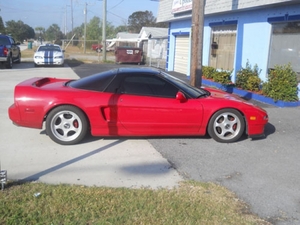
[193, 92]
[49, 48]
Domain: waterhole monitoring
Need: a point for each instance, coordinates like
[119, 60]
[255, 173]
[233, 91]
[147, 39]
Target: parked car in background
[97, 47]
[49, 54]
[9, 51]
[132, 102]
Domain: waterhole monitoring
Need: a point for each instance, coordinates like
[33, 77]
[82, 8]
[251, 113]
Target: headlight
[58, 57]
[38, 57]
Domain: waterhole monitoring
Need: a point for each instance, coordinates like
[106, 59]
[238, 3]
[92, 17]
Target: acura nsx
[132, 102]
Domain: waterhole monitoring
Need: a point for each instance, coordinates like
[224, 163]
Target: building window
[285, 45]
[222, 49]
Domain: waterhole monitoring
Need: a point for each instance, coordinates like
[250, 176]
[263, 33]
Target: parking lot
[264, 172]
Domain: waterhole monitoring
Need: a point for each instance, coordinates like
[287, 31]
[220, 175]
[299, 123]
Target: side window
[12, 40]
[148, 86]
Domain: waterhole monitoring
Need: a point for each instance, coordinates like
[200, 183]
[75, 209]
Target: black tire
[35, 65]
[226, 126]
[19, 58]
[66, 125]
[9, 63]
[98, 50]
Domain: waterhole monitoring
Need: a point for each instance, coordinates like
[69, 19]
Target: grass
[190, 203]
[28, 53]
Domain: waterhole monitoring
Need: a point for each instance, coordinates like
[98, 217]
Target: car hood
[215, 93]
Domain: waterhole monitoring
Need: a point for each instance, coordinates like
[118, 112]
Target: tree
[110, 30]
[40, 32]
[30, 32]
[19, 31]
[53, 33]
[2, 27]
[79, 31]
[140, 19]
[93, 29]
[162, 25]
[122, 28]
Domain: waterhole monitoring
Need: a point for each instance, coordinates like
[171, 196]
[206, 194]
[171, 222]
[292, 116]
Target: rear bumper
[14, 114]
[3, 59]
[16, 117]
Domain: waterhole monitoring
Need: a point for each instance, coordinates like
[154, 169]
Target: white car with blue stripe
[49, 54]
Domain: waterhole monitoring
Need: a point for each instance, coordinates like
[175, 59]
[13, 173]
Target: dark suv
[9, 51]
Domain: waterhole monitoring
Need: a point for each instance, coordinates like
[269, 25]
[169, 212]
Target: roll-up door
[181, 60]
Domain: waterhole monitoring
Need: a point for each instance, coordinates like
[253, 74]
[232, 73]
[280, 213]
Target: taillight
[5, 51]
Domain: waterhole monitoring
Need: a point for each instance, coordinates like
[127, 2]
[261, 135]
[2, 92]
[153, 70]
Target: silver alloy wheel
[66, 125]
[227, 126]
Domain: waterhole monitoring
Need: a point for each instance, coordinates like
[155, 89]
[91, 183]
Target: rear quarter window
[97, 82]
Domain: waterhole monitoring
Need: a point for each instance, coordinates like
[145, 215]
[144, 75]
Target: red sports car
[132, 102]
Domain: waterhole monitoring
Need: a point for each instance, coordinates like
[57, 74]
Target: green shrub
[248, 78]
[222, 77]
[282, 84]
[208, 72]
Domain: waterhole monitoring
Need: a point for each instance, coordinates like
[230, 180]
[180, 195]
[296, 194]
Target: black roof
[138, 70]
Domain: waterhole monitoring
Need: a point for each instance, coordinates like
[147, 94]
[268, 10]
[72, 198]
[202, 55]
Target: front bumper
[49, 61]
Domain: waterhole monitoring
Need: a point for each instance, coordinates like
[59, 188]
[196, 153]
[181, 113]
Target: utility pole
[72, 17]
[85, 16]
[66, 29]
[104, 31]
[197, 42]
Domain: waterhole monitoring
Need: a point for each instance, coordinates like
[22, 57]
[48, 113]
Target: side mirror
[181, 97]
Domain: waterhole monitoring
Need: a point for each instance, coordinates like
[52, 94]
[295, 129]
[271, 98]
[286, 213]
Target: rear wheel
[66, 125]
[226, 125]
[9, 62]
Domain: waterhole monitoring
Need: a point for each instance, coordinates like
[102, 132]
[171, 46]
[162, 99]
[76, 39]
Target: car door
[147, 105]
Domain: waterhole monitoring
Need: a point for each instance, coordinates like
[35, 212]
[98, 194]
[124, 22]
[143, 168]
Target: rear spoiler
[40, 81]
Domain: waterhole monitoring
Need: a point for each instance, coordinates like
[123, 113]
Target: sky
[44, 13]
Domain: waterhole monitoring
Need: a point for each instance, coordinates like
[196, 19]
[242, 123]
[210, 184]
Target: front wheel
[226, 126]
[66, 125]
[19, 58]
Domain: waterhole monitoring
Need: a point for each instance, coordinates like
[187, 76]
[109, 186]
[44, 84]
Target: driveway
[30, 155]
[264, 172]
